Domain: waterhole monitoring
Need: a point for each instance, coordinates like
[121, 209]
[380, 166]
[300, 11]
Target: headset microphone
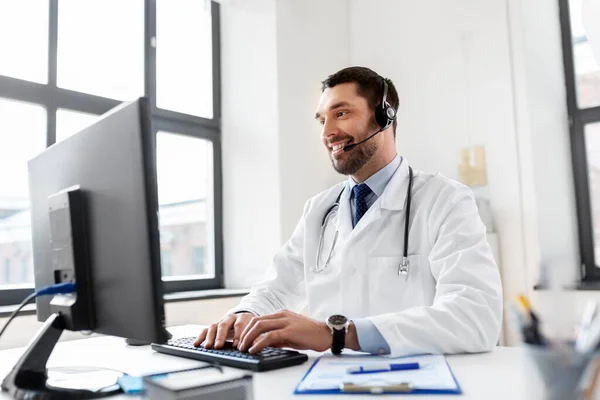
[351, 146]
[384, 115]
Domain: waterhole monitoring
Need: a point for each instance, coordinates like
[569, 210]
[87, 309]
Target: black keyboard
[268, 359]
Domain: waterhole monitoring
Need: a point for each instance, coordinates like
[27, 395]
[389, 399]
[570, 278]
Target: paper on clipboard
[330, 371]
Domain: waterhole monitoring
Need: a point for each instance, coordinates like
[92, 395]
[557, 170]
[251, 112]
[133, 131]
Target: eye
[321, 122]
[340, 114]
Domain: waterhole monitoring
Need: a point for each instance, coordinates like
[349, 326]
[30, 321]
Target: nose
[329, 129]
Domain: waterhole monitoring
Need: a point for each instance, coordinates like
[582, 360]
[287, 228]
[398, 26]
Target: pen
[531, 332]
[376, 368]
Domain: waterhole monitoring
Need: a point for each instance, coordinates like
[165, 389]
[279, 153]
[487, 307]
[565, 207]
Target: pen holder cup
[559, 370]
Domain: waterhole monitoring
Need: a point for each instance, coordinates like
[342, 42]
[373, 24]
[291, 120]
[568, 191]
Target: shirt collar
[379, 180]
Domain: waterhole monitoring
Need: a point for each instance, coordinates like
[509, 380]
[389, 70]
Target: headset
[385, 115]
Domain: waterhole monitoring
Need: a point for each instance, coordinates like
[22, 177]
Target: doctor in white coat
[366, 284]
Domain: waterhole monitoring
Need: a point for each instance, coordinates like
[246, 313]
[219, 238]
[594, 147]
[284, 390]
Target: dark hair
[369, 85]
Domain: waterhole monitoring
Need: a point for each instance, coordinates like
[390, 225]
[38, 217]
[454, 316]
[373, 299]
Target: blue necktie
[360, 193]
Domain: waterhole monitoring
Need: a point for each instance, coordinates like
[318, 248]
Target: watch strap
[339, 341]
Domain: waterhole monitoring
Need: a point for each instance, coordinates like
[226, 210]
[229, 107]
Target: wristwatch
[339, 327]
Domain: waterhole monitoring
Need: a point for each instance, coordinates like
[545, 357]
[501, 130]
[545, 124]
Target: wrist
[352, 338]
[327, 337]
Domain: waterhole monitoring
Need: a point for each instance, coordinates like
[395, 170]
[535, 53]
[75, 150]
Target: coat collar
[394, 195]
[392, 198]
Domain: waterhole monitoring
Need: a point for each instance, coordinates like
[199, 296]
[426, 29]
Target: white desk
[501, 374]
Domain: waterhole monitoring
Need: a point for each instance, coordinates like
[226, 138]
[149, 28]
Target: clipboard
[396, 387]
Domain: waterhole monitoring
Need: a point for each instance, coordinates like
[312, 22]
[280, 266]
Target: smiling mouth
[338, 149]
[338, 146]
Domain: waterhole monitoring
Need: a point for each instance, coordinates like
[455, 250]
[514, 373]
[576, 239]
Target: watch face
[337, 321]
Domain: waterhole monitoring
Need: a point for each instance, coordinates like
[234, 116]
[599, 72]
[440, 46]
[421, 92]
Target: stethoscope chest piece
[403, 267]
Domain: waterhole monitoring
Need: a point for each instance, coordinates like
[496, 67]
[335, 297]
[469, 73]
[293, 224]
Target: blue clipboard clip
[399, 388]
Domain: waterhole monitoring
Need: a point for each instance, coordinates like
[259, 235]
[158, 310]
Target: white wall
[544, 134]
[312, 43]
[251, 193]
[274, 56]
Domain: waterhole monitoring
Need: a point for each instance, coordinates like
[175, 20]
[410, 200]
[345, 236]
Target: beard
[358, 156]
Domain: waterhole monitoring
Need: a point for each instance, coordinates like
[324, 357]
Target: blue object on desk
[374, 369]
[131, 384]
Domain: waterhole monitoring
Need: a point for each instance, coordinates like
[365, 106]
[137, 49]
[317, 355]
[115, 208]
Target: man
[345, 259]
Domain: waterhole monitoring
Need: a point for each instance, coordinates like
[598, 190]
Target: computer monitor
[94, 212]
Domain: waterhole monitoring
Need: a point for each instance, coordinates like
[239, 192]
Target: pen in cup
[531, 331]
[377, 368]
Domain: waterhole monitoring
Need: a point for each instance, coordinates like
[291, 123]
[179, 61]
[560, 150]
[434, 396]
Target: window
[198, 260]
[587, 68]
[27, 126]
[70, 122]
[67, 62]
[186, 211]
[7, 271]
[582, 75]
[26, 267]
[166, 262]
[101, 51]
[27, 57]
[184, 78]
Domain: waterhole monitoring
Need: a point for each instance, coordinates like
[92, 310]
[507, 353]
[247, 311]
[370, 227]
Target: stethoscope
[404, 264]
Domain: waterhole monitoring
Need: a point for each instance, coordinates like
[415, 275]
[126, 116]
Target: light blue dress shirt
[370, 339]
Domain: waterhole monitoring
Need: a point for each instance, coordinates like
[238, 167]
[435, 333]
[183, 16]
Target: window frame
[578, 119]
[53, 98]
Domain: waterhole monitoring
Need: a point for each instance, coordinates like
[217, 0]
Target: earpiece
[385, 114]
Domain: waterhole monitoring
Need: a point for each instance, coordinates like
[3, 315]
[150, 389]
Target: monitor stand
[136, 342]
[29, 377]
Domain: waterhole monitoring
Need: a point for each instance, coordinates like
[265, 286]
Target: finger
[201, 337]
[258, 329]
[210, 336]
[269, 339]
[238, 327]
[254, 320]
[223, 330]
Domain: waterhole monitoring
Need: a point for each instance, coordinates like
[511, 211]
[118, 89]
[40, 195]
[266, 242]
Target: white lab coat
[452, 299]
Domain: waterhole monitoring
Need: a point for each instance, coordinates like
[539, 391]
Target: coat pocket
[391, 292]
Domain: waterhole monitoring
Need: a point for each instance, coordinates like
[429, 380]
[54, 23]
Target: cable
[60, 288]
[14, 314]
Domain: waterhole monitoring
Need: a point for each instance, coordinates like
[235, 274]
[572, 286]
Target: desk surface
[501, 374]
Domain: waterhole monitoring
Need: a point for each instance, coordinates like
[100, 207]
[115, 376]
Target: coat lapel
[392, 198]
[344, 219]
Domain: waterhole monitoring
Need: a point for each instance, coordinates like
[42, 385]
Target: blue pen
[376, 368]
